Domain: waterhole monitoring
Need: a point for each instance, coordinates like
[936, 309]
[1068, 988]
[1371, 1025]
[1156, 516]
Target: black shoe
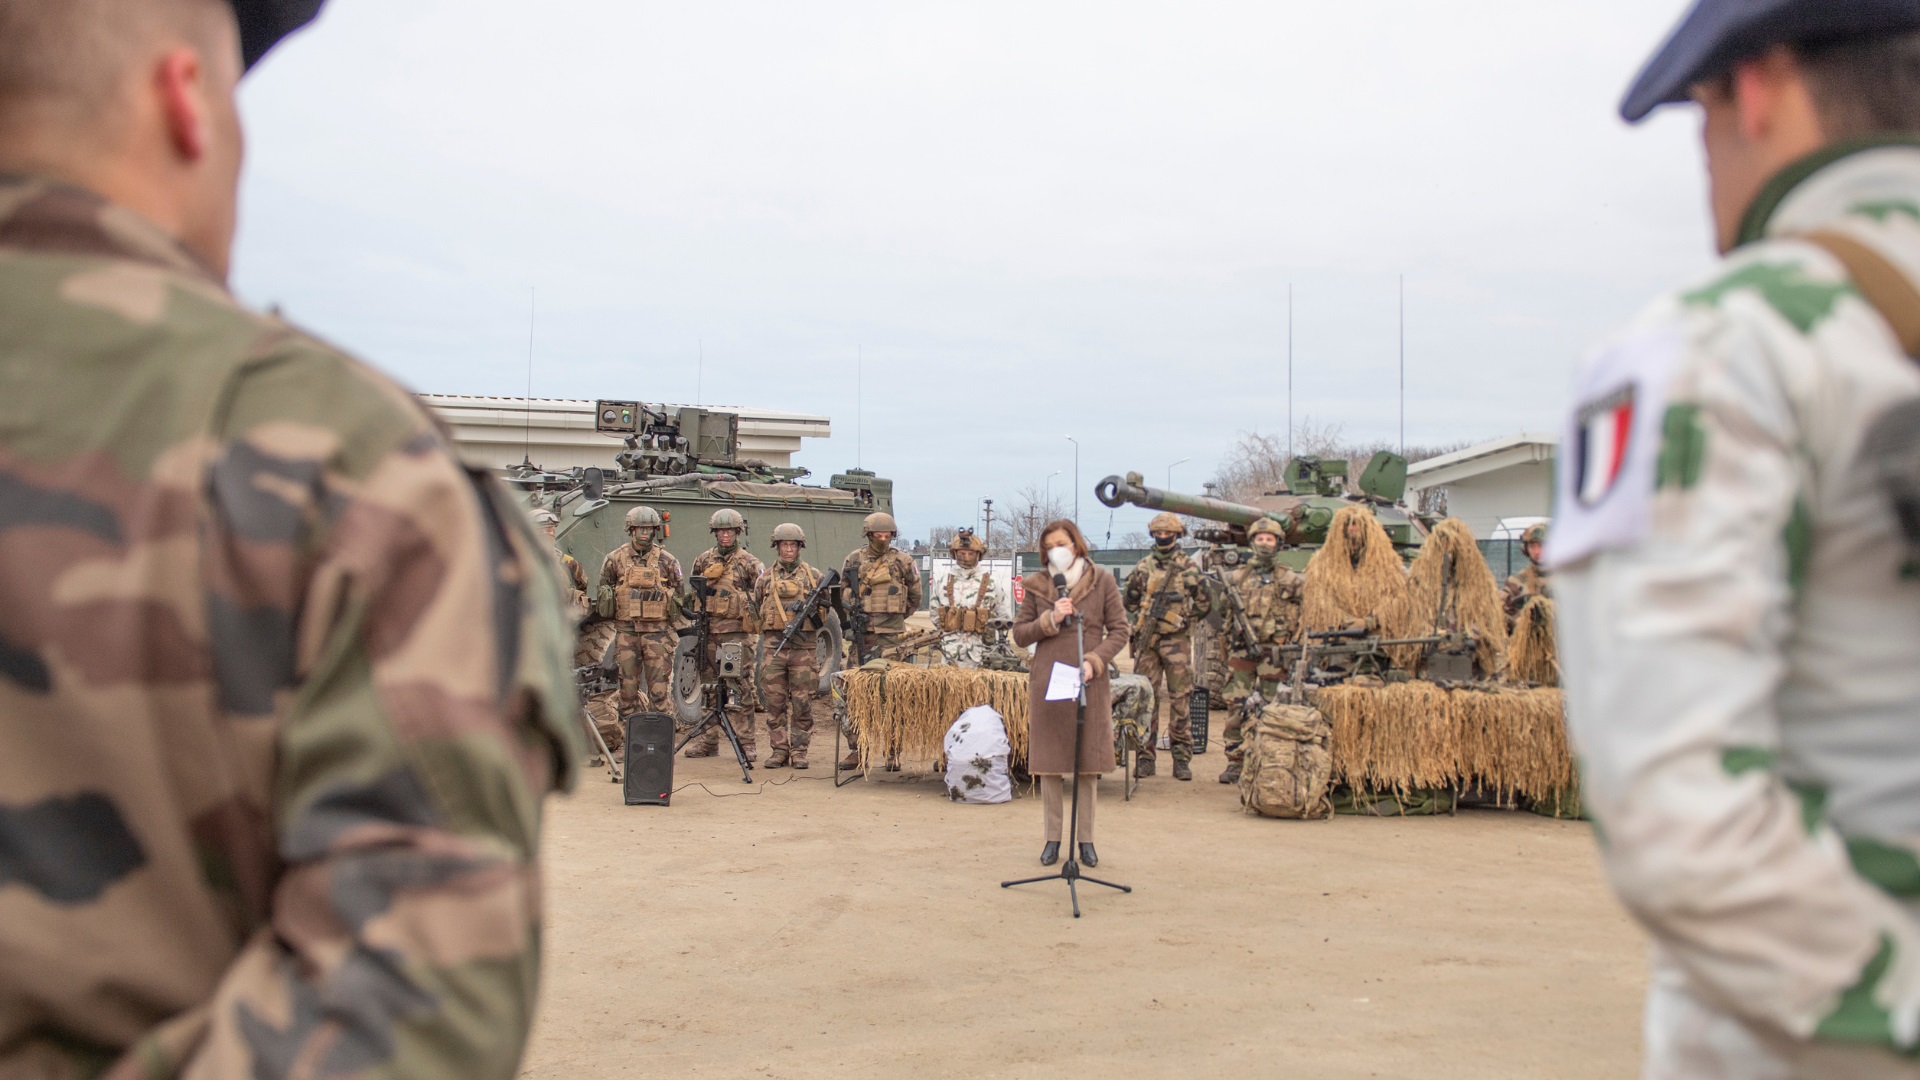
[1050, 853]
[1087, 856]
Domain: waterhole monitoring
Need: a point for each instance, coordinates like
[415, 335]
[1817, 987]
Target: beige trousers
[1053, 805]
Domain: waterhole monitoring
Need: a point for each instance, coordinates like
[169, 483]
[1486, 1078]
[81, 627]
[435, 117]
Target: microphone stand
[1070, 870]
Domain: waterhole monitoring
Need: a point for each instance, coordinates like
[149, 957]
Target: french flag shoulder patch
[1610, 446]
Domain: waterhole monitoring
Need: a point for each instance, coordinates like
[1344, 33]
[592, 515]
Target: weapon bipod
[717, 714]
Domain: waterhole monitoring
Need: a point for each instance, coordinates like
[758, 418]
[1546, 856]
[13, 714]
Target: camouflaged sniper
[281, 689]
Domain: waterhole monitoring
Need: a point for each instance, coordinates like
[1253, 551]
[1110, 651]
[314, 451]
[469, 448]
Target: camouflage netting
[1403, 737]
[1472, 598]
[1533, 657]
[907, 710]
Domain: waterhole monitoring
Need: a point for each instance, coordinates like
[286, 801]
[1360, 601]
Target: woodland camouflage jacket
[281, 689]
[1187, 599]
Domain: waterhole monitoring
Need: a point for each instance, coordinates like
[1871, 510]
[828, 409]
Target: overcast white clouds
[1009, 206]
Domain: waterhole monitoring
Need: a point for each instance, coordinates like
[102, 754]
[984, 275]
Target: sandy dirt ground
[803, 931]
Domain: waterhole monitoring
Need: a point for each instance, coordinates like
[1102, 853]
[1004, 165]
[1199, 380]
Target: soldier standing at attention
[730, 572]
[640, 587]
[282, 684]
[1165, 596]
[1736, 550]
[888, 590]
[965, 602]
[1533, 580]
[790, 677]
[1270, 595]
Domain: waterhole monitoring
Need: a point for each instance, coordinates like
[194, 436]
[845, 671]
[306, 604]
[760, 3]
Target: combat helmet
[965, 540]
[1269, 526]
[643, 517]
[727, 518]
[543, 517]
[1535, 534]
[879, 522]
[1165, 522]
[787, 530]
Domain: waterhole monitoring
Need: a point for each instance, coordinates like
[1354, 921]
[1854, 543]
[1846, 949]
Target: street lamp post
[1182, 461]
[1050, 476]
[1076, 478]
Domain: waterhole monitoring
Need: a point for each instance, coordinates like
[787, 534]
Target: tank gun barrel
[1115, 491]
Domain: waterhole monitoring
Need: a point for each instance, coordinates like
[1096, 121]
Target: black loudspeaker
[649, 750]
[1199, 713]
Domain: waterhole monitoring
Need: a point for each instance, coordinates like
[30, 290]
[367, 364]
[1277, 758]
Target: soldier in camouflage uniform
[789, 677]
[1165, 596]
[640, 587]
[1530, 582]
[282, 684]
[730, 572]
[590, 644]
[965, 602]
[1269, 595]
[1735, 562]
[889, 591]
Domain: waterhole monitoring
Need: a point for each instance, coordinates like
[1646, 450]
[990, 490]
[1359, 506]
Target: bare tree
[939, 536]
[1027, 512]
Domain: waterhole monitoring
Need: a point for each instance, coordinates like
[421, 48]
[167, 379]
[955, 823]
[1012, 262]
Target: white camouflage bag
[977, 751]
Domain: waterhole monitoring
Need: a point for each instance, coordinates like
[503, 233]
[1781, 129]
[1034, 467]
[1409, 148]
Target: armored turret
[1304, 507]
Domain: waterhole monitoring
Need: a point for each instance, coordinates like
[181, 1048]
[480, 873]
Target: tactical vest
[1272, 600]
[785, 593]
[727, 600]
[967, 620]
[1173, 618]
[882, 589]
[643, 595]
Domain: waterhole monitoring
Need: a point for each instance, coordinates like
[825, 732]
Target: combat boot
[1231, 774]
[1182, 770]
[850, 762]
[1143, 768]
[779, 759]
[705, 749]
[799, 761]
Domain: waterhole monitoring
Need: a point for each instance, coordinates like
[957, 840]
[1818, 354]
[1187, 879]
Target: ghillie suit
[1454, 591]
[1356, 580]
[1532, 656]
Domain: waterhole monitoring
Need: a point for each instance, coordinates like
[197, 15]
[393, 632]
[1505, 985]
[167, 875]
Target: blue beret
[1716, 34]
[264, 22]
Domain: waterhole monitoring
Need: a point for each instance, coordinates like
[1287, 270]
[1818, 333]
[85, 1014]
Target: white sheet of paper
[1064, 682]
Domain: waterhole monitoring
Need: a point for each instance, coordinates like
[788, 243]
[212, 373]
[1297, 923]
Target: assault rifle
[809, 608]
[1151, 613]
[1238, 624]
[856, 616]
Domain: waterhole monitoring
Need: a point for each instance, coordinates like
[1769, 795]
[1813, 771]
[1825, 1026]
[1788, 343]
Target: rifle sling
[1879, 282]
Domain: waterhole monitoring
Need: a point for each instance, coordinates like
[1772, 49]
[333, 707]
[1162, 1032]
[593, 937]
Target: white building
[1485, 484]
[558, 434]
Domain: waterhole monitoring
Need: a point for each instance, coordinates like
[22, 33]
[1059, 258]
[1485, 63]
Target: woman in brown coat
[1045, 621]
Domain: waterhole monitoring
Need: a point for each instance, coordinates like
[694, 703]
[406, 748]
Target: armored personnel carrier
[686, 465]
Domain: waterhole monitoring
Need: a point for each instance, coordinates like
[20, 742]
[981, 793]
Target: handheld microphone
[1060, 590]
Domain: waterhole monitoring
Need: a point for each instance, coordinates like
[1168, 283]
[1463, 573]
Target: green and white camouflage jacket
[1739, 619]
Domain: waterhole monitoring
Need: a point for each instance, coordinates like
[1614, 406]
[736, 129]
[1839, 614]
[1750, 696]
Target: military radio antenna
[526, 447]
[1403, 365]
[699, 369]
[859, 401]
[1289, 373]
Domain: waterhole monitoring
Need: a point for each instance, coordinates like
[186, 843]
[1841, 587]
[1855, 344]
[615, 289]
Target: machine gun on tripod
[1362, 651]
[720, 683]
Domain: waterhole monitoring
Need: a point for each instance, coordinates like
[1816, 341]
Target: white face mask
[1060, 558]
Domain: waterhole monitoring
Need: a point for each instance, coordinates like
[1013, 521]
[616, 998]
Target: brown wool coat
[1050, 734]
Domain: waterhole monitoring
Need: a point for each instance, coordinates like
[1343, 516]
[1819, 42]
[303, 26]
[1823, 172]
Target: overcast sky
[1032, 219]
